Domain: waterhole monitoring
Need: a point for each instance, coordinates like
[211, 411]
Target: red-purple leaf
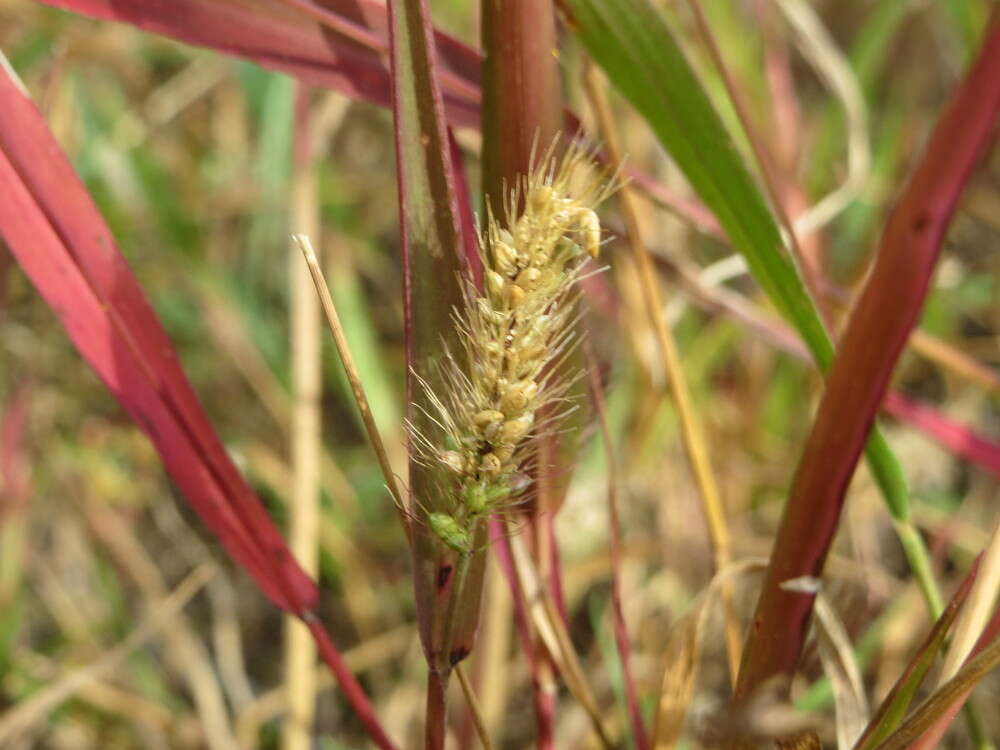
[63, 245]
[957, 438]
[68, 253]
[875, 336]
[336, 44]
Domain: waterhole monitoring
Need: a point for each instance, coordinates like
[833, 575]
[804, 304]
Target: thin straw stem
[544, 708]
[337, 330]
[691, 427]
[552, 634]
[474, 710]
[303, 535]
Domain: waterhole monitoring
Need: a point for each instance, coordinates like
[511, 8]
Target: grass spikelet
[513, 335]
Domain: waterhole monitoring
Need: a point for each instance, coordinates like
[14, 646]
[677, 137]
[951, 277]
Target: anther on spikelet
[512, 334]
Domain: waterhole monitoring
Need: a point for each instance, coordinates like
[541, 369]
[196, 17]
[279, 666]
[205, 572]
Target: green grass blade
[640, 56]
[631, 42]
[893, 709]
[433, 252]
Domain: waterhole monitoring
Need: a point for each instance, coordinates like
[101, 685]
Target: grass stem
[474, 709]
[337, 330]
[306, 440]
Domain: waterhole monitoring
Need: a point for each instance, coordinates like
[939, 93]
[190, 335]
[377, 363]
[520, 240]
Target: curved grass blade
[872, 342]
[637, 51]
[64, 247]
[336, 44]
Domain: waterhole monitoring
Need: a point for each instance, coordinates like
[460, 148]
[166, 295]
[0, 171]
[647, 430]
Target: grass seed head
[512, 334]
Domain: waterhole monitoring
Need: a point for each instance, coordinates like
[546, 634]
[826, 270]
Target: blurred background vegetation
[187, 155]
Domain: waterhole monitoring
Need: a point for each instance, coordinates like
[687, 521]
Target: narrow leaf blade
[63, 245]
[433, 263]
[892, 710]
[875, 336]
[336, 44]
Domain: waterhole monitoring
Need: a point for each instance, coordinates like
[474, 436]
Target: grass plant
[620, 293]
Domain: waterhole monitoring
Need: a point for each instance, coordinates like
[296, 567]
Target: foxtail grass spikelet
[514, 334]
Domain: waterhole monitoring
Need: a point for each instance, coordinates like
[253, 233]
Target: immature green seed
[476, 499]
[448, 530]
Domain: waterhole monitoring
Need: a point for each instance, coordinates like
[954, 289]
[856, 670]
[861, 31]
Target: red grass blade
[336, 44]
[63, 245]
[957, 438]
[353, 691]
[875, 336]
[66, 250]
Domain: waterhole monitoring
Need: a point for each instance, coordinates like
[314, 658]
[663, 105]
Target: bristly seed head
[512, 336]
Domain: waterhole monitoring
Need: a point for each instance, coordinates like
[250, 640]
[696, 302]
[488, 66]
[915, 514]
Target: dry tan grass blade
[474, 709]
[333, 321]
[691, 426]
[839, 665]
[681, 656]
[976, 612]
